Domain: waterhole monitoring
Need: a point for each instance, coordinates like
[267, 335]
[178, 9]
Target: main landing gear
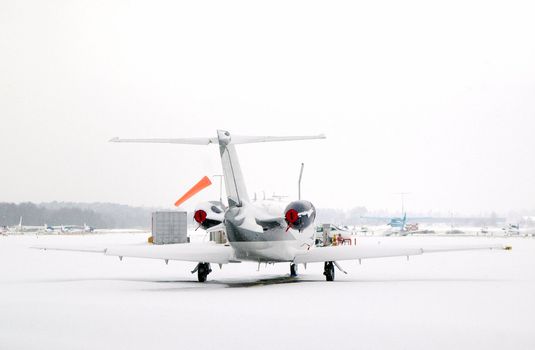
[203, 269]
[328, 270]
[293, 270]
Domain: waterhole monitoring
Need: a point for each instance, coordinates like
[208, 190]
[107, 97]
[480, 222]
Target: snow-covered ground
[67, 300]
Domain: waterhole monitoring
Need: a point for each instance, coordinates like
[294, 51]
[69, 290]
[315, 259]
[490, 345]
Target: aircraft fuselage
[255, 238]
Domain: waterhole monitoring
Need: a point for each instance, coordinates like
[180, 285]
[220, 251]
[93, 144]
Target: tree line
[97, 215]
[111, 215]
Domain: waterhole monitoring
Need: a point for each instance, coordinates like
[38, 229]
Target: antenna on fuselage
[299, 182]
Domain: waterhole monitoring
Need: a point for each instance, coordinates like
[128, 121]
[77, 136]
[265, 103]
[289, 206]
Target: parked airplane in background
[516, 230]
[20, 228]
[76, 228]
[47, 229]
[256, 234]
[398, 226]
[395, 226]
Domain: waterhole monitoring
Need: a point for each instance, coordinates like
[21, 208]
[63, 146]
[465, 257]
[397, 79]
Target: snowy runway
[68, 300]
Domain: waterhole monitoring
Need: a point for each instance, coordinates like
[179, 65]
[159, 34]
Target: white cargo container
[169, 227]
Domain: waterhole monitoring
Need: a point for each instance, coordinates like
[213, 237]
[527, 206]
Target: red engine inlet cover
[200, 216]
[292, 216]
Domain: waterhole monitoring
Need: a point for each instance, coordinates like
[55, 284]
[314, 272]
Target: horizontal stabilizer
[184, 141]
[237, 139]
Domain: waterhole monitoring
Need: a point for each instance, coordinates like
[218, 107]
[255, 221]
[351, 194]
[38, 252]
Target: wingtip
[114, 139]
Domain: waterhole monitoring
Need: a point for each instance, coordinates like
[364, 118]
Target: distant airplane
[20, 228]
[395, 226]
[516, 230]
[256, 234]
[76, 228]
[399, 225]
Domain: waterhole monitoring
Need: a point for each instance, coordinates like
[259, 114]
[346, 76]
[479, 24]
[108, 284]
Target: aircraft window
[215, 209]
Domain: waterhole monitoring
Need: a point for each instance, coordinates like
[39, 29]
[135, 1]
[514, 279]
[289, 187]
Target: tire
[203, 271]
[329, 271]
[293, 270]
[201, 276]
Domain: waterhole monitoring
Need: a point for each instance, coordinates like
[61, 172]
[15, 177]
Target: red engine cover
[200, 216]
[292, 216]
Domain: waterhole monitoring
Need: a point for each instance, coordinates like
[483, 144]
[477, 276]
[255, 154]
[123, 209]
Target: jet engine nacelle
[209, 214]
[300, 214]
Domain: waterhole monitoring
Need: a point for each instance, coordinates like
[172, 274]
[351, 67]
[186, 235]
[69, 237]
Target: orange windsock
[202, 184]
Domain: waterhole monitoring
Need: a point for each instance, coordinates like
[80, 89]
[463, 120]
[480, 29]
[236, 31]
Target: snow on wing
[351, 253]
[366, 252]
[194, 252]
[202, 252]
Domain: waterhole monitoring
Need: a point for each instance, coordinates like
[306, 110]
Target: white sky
[435, 99]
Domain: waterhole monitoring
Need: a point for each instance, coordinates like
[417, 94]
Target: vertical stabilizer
[234, 182]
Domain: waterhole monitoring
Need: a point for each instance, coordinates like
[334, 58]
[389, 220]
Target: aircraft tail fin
[234, 183]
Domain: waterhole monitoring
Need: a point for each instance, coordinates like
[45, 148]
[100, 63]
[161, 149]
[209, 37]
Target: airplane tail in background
[234, 182]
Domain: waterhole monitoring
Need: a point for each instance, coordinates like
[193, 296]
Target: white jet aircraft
[20, 228]
[254, 233]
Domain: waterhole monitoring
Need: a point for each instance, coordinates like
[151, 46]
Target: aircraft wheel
[293, 270]
[328, 271]
[202, 271]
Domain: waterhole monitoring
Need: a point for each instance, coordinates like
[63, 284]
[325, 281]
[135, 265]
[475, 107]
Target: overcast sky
[432, 98]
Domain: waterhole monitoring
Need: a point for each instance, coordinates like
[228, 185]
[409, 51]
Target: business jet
[255, 234]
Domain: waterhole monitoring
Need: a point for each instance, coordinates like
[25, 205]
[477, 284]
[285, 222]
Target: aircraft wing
[194, 252]
[338, 253]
